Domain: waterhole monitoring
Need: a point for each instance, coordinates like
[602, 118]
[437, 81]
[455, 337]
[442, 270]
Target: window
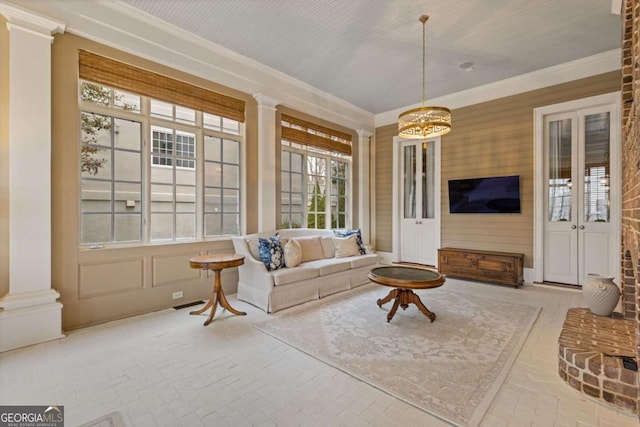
[316, 192]
[135, 192]
[163, 150]
[314, 175]
[111, 180]
[162, 147]
[221, 186]
[173, 186]
[291, 192]
[339, 190]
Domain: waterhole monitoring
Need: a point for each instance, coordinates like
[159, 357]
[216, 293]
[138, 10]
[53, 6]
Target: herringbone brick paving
[166, 369]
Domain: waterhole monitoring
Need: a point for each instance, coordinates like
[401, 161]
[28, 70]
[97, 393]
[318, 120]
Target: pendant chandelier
[426, 121]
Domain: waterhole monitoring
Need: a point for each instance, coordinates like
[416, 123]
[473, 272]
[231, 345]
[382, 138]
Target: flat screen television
[498, 194]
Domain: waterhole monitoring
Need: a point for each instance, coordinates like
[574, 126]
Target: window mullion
[200, 190]
[328, 192]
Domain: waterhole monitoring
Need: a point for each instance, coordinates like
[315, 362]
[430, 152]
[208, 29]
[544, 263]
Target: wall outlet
[177, 295]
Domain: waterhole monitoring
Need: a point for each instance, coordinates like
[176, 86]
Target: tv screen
[499, 194]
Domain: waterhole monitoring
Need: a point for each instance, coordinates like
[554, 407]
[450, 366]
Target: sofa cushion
[363, 260]
[346, 233]
[329, 266]
[271, 253]
[346, 246]
[328, 248]
[285, 276]
[311, 248]
[292, 253]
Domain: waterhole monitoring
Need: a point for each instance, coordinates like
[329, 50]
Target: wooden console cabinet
[486, 266]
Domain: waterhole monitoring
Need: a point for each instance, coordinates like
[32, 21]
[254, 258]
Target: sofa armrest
[252, 272]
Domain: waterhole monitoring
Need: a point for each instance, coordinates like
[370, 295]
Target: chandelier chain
[424, 61]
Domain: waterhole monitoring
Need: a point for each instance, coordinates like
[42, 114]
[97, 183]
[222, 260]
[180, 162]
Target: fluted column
[267, 172]
[30, 313]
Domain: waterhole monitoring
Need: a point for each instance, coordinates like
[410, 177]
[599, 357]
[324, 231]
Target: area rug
[451, 368]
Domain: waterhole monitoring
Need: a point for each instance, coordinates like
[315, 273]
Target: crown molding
[562, 73]
[33, 22]
[123, 27]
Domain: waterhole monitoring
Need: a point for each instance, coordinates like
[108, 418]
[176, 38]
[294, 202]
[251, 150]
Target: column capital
[364, 133]
[30, 21]
[266, 101]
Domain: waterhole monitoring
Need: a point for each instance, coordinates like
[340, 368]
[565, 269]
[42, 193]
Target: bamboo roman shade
[307, 133]
[98, 69]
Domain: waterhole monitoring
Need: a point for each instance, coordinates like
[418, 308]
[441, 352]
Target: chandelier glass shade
[425, 121]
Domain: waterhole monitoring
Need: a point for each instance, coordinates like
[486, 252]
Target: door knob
[581, 227]
[573, 227]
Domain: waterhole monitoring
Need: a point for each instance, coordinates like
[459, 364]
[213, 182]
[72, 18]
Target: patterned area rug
[451, 368]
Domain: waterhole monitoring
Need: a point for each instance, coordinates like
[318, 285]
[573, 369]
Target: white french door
[580, 178]
[419, 204]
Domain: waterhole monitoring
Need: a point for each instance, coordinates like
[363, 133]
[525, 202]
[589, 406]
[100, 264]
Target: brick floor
[166, 369]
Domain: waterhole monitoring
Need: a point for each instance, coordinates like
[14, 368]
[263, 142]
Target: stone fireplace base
[590, 357]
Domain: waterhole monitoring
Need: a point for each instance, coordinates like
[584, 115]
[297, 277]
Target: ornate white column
[30, 313]
[364, 178]
[267, 172]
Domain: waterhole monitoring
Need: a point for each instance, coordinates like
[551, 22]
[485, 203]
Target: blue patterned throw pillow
[271, 252]
[347, 233]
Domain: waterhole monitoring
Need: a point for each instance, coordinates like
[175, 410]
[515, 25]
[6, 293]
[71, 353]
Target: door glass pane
[428, 185]
[409, 181]
[596, 167]
[559, 145]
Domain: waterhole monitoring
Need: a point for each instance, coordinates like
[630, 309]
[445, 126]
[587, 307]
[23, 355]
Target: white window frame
[306, 151]
[178, 126]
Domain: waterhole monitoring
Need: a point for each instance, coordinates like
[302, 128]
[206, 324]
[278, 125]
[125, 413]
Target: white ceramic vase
[600, 294]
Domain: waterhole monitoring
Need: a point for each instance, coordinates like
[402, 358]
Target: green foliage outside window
[316, 215]
[92, 124]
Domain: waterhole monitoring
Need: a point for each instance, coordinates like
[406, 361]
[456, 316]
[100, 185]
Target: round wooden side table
[216, 263]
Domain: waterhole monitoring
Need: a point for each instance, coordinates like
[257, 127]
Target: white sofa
[311, 279]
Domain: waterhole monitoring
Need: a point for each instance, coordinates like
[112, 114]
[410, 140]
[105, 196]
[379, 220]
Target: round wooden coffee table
[404, 279]
[216, 263]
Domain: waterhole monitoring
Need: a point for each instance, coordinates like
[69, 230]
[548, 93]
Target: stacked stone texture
[631, 167]
[590, 357]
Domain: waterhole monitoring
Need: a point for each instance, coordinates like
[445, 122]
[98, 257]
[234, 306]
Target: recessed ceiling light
[467, 66]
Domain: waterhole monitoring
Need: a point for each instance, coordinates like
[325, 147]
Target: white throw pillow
[292, 253]
[346, 246]
[328, 247]
[311, 248]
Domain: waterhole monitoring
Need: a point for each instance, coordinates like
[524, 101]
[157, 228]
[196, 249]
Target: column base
[29, 318]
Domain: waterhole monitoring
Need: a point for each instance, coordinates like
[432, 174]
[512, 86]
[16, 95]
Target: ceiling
[369, 52]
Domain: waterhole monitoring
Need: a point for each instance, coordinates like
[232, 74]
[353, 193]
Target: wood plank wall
[493, 138]
[383, 187]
